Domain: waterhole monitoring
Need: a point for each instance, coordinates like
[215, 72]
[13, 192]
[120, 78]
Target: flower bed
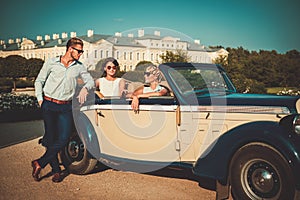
[289, 92]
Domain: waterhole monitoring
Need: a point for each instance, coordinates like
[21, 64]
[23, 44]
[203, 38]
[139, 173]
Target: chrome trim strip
[217, 109]
[244, 109]
[128, 107]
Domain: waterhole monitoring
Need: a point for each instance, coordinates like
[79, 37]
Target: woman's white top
[109, 88]
[148, 89]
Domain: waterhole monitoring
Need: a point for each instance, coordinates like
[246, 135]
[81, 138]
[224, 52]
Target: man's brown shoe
[57, 177]
[36, 169]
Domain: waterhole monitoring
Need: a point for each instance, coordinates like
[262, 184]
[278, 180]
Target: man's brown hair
[74, 41]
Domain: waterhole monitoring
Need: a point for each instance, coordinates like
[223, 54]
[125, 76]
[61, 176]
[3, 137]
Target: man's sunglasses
[111, 67]
[78, 50]
[147, 73]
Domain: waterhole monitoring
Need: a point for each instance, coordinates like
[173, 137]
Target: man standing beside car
[55, 87]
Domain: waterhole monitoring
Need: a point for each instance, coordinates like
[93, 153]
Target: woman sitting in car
[109, 85]
[152, 77]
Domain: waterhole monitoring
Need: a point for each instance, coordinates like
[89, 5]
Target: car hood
[239, 99]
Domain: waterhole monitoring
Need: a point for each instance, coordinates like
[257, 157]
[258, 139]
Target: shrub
[24, 83]
[5, 89]
[6, 82]
[10, 102]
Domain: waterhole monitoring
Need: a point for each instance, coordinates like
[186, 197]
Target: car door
[147, 135]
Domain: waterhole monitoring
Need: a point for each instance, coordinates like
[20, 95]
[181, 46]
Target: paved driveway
[16, 132]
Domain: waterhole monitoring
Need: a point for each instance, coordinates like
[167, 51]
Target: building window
[101, 54]
[151, 56]
[107, 53]
[143, 56]
[95, 53]
[124, 55]
[130, 56]
[138, 56]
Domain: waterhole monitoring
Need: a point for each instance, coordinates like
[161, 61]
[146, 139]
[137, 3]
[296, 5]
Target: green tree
[291, 67]
[135, 76]
[178, 56]
[34, 67]
[221, 60]
[14, 67]
[262, 69]
[241, 71]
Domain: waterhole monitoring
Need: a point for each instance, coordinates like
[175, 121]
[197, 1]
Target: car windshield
[201, 81]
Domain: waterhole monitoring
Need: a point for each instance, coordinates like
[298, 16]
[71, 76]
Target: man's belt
[56, 101]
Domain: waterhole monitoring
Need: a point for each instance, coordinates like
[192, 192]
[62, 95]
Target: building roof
[198, 47]
[94, 38]
[125, 41]
[9, 47]
[151, 37]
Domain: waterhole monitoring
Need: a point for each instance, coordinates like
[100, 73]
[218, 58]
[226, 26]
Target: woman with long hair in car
[110, 85]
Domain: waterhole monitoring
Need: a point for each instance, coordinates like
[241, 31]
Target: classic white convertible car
[248, 143]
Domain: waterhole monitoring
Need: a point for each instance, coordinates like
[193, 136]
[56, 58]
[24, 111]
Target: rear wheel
[260, 172]
[76, 157]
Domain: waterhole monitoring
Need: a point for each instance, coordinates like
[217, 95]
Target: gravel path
[17, 183]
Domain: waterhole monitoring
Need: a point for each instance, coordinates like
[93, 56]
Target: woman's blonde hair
[153, 69]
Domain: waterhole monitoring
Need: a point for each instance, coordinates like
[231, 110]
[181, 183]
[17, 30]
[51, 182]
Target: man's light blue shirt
[59, 82]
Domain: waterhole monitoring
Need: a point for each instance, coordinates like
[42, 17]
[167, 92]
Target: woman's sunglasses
[111, 67]
[147, 73]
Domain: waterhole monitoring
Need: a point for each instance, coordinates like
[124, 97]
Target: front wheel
[76, 157]
[259, 171]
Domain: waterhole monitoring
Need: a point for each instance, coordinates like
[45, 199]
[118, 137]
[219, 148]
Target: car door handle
[98, 113]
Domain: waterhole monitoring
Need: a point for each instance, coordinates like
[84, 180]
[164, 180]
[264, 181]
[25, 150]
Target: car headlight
[291, 123]
[296, 124]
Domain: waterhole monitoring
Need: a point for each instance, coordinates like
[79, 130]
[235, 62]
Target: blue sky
[251, 24]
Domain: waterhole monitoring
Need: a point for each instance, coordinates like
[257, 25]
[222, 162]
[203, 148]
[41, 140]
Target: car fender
[87, 134]
[215, 162]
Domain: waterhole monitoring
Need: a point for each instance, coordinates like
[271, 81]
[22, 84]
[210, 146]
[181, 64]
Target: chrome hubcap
[73, 149]
[260, 179]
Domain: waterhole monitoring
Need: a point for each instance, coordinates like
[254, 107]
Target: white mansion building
[129, 50]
